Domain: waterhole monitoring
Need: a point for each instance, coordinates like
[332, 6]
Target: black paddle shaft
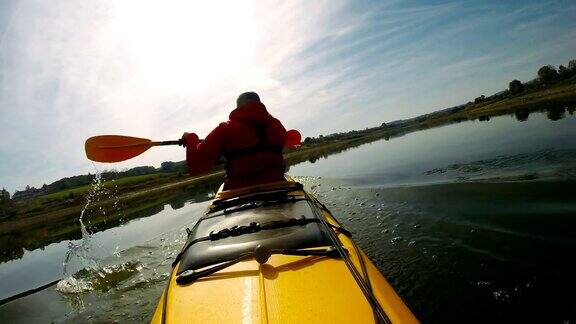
[178, 142]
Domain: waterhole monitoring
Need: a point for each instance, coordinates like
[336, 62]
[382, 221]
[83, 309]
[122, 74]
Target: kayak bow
[274, 254]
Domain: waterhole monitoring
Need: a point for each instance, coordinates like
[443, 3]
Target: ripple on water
[396, 239]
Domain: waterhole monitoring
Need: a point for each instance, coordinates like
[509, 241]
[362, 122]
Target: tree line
[86, 179]
[545, 76]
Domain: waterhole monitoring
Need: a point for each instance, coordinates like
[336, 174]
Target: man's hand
[189, 139]
[182, 141]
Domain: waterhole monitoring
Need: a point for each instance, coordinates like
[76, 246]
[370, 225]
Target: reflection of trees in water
[12, 245]
[553, 112]
[556, 113]
[177, 204]
[522, 114]
[323, 153]
[9, 250]
[195, 194]
[458, 120]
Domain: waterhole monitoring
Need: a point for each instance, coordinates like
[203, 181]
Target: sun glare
[183, 44]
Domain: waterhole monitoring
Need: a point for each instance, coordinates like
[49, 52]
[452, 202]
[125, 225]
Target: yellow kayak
[274, 254]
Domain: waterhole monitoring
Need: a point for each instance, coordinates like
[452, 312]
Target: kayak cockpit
[223, 235]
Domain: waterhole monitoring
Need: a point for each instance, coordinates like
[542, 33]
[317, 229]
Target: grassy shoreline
[41, 219]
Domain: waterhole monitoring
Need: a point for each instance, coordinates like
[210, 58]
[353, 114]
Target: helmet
[245, 97]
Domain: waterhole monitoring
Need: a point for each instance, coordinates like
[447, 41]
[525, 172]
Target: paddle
[116, 148]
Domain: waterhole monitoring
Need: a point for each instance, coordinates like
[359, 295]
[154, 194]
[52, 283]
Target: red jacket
[252, 142]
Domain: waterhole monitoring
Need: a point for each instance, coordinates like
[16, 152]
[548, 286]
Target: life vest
[262, 146]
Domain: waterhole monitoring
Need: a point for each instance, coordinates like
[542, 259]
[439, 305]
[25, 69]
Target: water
[524, 147]
[470, 222]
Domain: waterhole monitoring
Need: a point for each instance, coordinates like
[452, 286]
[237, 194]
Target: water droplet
[396, 239]
[501, 295]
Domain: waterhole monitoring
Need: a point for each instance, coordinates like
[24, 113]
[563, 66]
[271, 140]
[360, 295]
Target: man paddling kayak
[251, 141]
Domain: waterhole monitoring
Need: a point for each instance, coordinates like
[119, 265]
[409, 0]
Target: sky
[154, 69]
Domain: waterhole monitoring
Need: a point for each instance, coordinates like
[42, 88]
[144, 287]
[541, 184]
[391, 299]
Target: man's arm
[201, 156]
[278, 134]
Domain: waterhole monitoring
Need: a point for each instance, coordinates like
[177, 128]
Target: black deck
[202, 254]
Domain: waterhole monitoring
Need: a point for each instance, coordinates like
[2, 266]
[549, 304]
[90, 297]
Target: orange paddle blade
[293, 138]
[115, 148]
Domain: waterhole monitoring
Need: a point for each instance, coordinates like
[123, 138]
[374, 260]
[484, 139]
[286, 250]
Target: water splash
[73, 285]
[81, 251]
[81, 256]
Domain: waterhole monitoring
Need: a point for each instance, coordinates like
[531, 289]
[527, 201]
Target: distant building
[29, 192]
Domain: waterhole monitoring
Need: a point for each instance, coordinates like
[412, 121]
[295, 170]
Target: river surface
[469, 222]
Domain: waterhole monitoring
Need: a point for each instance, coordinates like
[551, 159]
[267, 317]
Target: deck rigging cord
[380, 315]
[261, 254]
